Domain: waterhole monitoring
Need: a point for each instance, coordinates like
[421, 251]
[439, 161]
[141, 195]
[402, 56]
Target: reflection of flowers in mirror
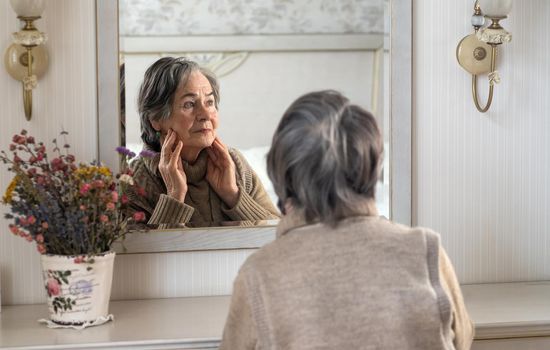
[67, 208]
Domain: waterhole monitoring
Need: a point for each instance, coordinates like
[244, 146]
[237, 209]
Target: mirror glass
[265, 55]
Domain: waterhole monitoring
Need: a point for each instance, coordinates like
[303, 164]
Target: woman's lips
[203, 131]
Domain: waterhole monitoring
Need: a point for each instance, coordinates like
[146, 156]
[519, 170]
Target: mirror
[265, 57]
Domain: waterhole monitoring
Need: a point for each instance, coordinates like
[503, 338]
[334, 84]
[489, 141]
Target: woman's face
[194, 116]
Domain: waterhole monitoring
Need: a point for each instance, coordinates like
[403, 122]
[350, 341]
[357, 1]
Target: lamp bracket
[474, 55]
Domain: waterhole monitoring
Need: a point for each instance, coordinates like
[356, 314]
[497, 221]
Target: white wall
[482, 180]
[65, 98]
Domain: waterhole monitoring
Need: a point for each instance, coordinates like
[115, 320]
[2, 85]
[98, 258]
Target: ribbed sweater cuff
[170, 211]
[246, 208]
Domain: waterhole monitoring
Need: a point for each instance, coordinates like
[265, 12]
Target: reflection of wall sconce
[27, 47]
[473, 50]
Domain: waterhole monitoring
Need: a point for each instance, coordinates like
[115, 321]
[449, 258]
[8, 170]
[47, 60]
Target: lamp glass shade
[28, 8]
[495, 8]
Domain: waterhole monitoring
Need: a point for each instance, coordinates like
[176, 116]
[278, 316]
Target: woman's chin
[203, 142]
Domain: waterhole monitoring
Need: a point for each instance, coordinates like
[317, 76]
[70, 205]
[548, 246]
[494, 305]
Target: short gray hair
[325, 156]
[156, 94]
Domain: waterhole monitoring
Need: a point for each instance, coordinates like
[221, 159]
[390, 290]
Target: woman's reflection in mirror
[193, 176]
[339, 276]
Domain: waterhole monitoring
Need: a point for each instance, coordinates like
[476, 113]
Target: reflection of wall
[173, 17]
[255, 95]
[482, 180]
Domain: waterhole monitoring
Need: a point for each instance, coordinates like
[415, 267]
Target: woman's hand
[171, 168]
[220, 173]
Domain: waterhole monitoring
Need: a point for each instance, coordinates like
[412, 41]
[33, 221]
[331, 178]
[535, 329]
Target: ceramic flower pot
[78, 287]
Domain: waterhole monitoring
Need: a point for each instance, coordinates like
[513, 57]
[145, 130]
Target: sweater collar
[194, 172]
[296, 217]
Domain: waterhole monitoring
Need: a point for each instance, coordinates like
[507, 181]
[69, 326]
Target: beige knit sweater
[202, 205]
[368, 284]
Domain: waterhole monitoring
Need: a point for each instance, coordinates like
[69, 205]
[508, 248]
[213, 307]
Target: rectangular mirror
[265, 57]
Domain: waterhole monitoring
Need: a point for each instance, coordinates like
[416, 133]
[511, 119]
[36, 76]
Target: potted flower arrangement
[73, 212]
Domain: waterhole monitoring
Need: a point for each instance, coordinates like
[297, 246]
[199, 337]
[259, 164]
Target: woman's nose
[202, 113]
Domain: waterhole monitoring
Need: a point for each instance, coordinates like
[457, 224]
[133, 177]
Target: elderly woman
[338, 276]
[191, 177]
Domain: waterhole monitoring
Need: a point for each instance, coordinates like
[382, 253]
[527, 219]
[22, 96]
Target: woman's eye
[188, 104]
[210, 103]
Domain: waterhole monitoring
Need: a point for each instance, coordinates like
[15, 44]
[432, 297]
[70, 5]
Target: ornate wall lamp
[26, 59]
[477, 52]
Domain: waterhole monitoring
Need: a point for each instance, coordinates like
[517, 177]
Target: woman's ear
[156, 125]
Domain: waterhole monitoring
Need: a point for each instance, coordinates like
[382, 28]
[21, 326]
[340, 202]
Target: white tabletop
[501, 310]
[182, 323]
[509, 310]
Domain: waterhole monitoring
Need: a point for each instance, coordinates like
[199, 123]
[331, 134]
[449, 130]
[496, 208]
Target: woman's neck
[190, 154]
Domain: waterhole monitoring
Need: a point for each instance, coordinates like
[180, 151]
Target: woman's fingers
[176, 155]
[166, 150]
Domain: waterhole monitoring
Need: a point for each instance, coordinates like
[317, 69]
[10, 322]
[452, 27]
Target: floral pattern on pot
[54, 281]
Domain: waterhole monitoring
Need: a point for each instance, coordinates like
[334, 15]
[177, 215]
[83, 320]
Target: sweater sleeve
[165, 210]
[170, 211]
[462, 326]
[253, 202]
[239, 331]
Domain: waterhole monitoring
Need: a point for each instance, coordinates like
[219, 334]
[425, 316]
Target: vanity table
[507, 316]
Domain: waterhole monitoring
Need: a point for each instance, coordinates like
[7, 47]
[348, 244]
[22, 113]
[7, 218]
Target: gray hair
[325, 156]
[156, 94]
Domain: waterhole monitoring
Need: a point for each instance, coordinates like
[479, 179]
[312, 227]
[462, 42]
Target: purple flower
[147, 154]
[123, 150]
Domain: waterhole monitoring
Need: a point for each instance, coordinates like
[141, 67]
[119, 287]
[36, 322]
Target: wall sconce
[26, 59]
[477, 52]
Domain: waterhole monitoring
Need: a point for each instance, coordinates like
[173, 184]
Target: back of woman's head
[325, 157]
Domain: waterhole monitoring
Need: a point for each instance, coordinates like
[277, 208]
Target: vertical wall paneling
[166, 275]
[482, 179]
[65, 98]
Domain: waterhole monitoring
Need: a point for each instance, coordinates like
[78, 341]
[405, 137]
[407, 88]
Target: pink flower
[30, 140]
[98, 184]
[39, 238]
[110, 206]
[140, 191]
[31, 172]
[85, 188]
[124, 199]
[31, 220]
[28, 238]
[139, 216]
[114, 196]
[103, 218]
[78, 260]
[82, 207]
[14, 229]
[45, 225]
[41, 248]
[53, 287]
